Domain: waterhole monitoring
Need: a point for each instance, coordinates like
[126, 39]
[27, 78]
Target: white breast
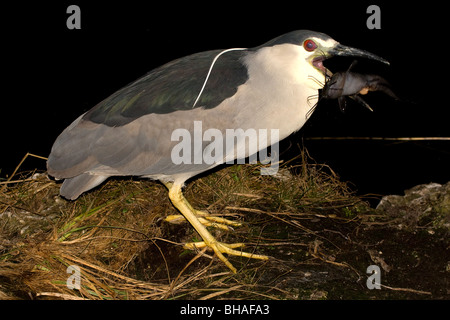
[281, 90]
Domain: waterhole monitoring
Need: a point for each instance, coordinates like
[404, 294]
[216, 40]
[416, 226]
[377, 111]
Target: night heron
[137, 130]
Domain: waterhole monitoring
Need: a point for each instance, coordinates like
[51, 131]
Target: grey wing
[86, 153]
[174, 86]
[129, 132]
[88, 147]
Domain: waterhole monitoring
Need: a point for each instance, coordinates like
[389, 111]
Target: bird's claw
[206, 219]
[220, 248]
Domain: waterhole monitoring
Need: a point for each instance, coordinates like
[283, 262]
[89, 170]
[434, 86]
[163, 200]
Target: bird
[273, 86]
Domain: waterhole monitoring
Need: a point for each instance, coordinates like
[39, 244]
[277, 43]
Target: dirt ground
[327, 258]
[320, 239]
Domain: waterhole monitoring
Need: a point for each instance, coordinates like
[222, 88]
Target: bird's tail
[73, 187]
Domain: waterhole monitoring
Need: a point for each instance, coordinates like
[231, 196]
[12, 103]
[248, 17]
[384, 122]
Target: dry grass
[116, 236]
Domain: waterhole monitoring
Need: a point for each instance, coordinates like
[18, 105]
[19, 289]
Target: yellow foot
[221, 248]
[199, 220]
[206, 219]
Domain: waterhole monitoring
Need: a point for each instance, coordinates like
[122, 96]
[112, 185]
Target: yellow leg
[206, 219]
[180, 202]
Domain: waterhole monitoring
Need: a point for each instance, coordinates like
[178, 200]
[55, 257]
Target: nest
[116, 240]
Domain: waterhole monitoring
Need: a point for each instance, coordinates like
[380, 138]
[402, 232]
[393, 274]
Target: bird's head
[310, 49]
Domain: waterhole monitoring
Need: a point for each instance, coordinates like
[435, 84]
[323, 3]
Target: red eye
[309, 45]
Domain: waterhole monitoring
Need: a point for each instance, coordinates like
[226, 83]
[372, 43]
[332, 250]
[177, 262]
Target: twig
[247, 195]
[59, 295]
[406, 290]
[244, 209]
[172, 286]
[21, 161]
[215, 294]
[97, 268]
[16, 181]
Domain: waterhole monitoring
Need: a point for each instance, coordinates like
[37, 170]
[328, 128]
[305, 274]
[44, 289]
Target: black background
[51, 74]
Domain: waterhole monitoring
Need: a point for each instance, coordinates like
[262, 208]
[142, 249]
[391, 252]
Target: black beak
[341, 50]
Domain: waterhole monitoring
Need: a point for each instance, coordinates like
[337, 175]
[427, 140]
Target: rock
[425, 205]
